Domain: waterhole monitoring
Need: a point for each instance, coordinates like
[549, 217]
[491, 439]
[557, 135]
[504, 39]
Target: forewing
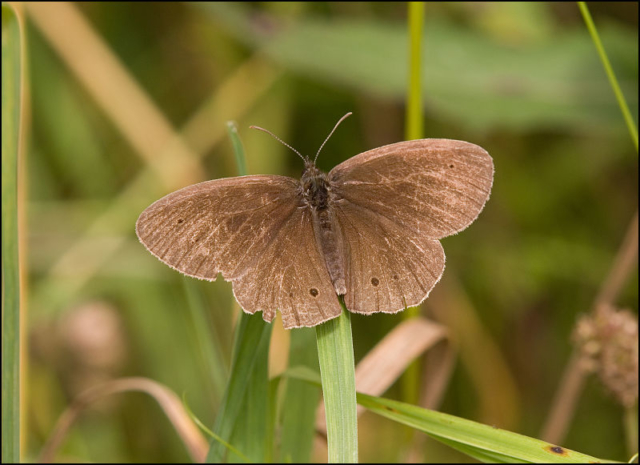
[257, 233]
[387, 267]
[218, 226]
[431, 187]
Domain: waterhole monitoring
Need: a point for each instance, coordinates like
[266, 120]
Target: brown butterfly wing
[387, 269]
[290, 275]
[253, 230]
[392, 204]
[431, 187]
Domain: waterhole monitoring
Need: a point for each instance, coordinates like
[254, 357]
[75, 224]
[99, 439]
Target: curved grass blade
[480, 441]
[483, 442]
[177, 414]
[211, 434]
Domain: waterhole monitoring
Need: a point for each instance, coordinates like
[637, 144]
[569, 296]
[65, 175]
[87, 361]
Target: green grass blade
[633, 130]
[337, 369]
[482, 456]
[250, 431]
[272, 419]
[475, 439]
[252, 331]
[11, 103]
[238, 150]
[242, 458]
[485, 443]
[300, 401]
[206, 344]
[250, 353]
[305, 374]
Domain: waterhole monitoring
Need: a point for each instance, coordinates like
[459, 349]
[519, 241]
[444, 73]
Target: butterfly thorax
[315, 187]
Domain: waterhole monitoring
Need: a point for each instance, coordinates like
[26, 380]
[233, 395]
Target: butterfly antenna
[279, 140]
[332, 131]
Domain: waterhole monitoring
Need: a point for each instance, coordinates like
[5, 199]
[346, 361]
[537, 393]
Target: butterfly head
[314, 183]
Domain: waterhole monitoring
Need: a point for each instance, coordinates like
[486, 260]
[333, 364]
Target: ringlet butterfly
[368, 230]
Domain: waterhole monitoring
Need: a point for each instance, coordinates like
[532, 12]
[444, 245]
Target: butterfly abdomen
[329, 244]
[316, 194]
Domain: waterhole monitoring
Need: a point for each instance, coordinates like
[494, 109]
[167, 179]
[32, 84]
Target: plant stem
[337, 370]
[414, 115]
[414, 130]
[11, 115]
[572, 382]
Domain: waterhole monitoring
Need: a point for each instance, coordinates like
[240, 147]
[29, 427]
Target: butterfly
[367, 231]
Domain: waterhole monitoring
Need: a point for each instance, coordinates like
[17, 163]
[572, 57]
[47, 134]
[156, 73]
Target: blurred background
[129, 101]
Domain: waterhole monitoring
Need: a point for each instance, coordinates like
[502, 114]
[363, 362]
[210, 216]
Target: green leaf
[480, 441]
[11, 114]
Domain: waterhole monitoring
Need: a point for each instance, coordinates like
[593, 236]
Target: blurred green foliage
[522, 80]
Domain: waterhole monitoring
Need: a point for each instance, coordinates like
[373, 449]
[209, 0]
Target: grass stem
[414, 116]
[414, 130]
[633, 130]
